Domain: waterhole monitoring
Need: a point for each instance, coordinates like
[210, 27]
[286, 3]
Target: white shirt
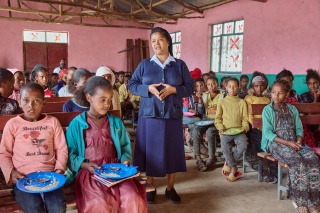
[169, 59]
[63, 92]
[57, 70]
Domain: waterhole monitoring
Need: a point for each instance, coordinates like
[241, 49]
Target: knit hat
[105, 70]
[196, 73]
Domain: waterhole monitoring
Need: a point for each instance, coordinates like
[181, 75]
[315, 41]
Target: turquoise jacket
[269, 125]
[76, 144]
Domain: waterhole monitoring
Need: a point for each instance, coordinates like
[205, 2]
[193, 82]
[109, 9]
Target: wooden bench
[52, 107]
[7, 201]
[309, 115]
[58, 99]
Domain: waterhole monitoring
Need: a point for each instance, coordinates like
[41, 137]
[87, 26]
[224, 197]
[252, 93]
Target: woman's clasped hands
[162, 94]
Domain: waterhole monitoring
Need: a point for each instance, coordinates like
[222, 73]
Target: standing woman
[162, 82]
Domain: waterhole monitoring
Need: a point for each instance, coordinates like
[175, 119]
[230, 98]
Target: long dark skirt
[159, 147]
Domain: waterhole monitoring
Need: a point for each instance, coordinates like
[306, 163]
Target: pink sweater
[32, 146]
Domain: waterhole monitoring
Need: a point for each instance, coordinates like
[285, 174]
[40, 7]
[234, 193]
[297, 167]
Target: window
[46, 48]
[176, 44]
[42, 36]
[227, 46]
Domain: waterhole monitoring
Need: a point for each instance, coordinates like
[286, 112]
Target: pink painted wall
[89, 47]
[277, 34]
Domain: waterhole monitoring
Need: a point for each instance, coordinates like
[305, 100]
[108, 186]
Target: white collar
[157, 61]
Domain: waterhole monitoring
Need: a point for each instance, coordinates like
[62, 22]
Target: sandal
[300, 209]
[210, 162]
[232, 178]
[270, 179]
[201, 166]
[226, 169]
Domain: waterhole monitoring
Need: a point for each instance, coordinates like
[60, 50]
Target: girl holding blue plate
[33, 142]
[94, 138]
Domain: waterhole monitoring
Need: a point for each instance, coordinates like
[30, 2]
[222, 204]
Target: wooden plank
[263, 154]
[58, 99]
[257, 123]
[256, 109]
[64, 117]
[308, 108]
[52, 107]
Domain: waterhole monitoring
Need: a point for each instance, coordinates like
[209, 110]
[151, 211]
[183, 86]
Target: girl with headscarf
[107, 73]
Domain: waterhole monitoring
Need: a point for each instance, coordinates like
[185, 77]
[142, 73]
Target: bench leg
[279, 182]
[280, 187]
[244, 161]
[260, 169]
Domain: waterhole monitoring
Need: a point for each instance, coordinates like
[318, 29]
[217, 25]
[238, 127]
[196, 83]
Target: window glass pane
[35, 36]
[228, 28]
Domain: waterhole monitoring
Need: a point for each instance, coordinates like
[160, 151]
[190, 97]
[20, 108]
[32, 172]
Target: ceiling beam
[153, 5]
[73, 23]
[119, 16]
[190, 7]
[142, 6]
[24, 4]
[9, 5]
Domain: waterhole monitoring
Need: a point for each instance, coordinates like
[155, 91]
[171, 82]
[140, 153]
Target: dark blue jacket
[176, 74]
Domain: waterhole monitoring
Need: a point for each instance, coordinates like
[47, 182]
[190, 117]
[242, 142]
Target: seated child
[232, 112]
[26, 75]
[120, 80]
[313, 82]
[207, 108]
[258, 85]
[8, 105]
[97, 137]
[34, 142]
[294, 98]
[107, 73]
[53, 81]
[63, 80]
[78, 103]
[190, 104]
[19, 81]
[223, 85]
[244, 79]
[205, 76]
[40, 75]
[64, 91]
[282, 135]
[312, 96]
[125, 97]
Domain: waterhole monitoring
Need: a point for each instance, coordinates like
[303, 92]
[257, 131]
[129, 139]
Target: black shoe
[173, 196]
[151, 196]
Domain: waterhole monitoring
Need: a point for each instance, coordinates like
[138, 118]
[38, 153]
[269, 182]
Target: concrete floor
[208, 192]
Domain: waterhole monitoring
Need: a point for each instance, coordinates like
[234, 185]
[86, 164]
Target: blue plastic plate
[204, 123]
[115, 171]
[55, 181]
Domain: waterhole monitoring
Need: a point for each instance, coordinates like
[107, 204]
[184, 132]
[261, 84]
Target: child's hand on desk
[126, 162]
[89, 166]
[221, 131]
[15, 176]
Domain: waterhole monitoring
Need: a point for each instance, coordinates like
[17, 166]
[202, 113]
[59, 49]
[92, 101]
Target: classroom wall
[277, 34]
[89, 47]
